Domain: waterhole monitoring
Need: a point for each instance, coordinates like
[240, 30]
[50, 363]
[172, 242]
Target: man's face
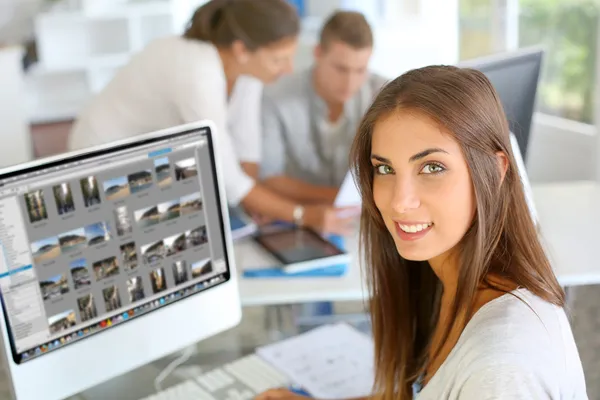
[342, 69]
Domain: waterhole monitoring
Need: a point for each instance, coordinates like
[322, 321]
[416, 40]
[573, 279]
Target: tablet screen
[298, 245]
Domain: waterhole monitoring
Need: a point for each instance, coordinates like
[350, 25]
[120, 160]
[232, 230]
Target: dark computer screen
[515, 77]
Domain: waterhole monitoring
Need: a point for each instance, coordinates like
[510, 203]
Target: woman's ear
[240, 52]
[502, 160]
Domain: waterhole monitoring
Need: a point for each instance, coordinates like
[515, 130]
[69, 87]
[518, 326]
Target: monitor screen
[95, 240]
[515, 77]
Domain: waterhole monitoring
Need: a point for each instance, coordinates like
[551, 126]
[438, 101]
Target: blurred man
[310, 118]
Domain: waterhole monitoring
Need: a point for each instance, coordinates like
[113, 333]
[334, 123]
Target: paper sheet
[348, 195]
[330, 362]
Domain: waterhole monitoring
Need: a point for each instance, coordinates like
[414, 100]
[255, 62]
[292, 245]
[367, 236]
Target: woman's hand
[280, 394]
[260, 219]
[330, 220]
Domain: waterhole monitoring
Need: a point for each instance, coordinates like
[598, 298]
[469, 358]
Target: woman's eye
[383, 169]
[432, 169]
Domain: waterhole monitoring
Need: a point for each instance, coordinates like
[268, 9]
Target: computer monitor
[515, 77]
[112, 257]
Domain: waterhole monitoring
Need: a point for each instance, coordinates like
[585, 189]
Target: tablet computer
[300, 249]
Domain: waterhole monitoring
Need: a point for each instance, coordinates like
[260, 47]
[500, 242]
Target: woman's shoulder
[518, 320]
[520, 339]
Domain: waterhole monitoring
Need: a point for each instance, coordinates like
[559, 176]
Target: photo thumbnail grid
[83, 272]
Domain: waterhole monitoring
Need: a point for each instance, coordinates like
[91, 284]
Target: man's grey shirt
[295, 137]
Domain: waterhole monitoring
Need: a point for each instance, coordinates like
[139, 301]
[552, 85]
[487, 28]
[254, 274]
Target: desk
[569, 214]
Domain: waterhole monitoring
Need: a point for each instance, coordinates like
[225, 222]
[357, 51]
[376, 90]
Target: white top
[509, 351]
[175, 81]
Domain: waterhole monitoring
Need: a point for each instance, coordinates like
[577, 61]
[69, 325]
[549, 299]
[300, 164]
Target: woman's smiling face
[422, 185]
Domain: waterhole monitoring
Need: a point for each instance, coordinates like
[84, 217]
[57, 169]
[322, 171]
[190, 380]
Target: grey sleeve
[273, 146]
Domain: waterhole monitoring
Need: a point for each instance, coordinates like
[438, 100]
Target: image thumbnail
[202, 267]
[123, 221]
[185, 169]
[174, 244]
[72, 241]
[62, 322]
[36, 206]
[168, 210]
[90, 191]
[54, 287]
[147, 217]
[80, 273]
[180, 272]
[97, 233]
[140, 181]
[112, 299]
[135, 287]
[116, 188]
[153, 252]
[106, 268]
[163, 171]
[45, 249]
[196, 237]
[64, 198]
[87, 307]
[158, 280]
[191, 203]
[129, 256]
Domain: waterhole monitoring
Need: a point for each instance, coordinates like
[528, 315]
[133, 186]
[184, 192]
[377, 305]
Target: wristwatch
[299, 215]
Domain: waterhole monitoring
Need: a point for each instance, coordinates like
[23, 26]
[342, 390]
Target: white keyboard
[242, 379]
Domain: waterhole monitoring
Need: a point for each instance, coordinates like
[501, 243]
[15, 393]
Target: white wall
[561, 150]
[15, 138]
[16, 19]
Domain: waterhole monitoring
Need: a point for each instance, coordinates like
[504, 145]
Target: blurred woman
[214, 71]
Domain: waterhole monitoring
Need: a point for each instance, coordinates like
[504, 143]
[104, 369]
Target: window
[566, 28]
[477, 34]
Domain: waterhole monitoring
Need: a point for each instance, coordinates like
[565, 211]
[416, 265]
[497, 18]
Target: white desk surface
[569, 215]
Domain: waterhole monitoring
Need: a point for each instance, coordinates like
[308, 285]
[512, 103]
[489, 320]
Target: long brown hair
[257, 23]
[502, 239]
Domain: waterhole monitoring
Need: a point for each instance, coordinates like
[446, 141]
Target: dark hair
[501, 242]
[257, 23]
[349, 27]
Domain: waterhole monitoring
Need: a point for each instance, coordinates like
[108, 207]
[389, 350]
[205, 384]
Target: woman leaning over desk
[214, 71]
[465, 304]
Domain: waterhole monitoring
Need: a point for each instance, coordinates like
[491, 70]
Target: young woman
[464, 301]
[214, 71]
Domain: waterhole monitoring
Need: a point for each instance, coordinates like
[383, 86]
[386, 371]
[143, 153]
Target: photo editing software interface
[102, 238]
